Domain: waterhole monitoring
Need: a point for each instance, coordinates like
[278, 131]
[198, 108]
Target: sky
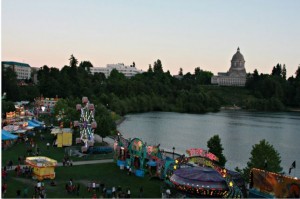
[181, 33]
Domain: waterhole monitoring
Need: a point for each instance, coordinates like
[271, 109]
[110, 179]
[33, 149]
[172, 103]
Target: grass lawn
[20, 149]
[108, 173]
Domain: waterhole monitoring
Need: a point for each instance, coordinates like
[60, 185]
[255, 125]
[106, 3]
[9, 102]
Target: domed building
[236, 76]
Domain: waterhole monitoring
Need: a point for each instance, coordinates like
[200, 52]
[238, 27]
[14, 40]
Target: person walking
[128, 193]
[141, 192]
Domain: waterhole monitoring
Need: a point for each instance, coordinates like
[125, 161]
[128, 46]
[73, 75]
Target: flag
[293, 166]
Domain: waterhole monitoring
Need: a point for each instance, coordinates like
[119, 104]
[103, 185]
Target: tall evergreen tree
[263, 156]
[157, 68]
[73, 61]
[214, 146]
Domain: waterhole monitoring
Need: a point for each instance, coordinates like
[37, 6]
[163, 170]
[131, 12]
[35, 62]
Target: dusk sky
[186, 34]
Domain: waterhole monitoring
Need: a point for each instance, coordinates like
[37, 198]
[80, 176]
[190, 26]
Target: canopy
[11, 128]
[5, 135]
[38, 122]
[151, 163]
[199, 177]
[33, 124]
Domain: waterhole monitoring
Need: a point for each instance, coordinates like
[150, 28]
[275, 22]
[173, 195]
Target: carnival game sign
[201, 152]
[274, 184]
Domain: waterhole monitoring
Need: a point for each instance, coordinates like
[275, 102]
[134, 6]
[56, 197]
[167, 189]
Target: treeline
[273, 92]
[156, 90]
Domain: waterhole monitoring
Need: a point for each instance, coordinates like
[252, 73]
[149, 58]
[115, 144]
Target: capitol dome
[238, 56]
[237, 65]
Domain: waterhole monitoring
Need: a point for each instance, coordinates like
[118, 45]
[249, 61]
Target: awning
[33, 124]
[10, 128]
[5, 135]
[151, 163]
[55, 131]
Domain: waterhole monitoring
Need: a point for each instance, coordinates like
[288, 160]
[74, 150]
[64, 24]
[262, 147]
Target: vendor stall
[63, 136]
[43, 167]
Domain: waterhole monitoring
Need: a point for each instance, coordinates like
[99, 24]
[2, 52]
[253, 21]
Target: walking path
[75, 163]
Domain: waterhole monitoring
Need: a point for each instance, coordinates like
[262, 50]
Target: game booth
[265, 184]
[199, 175]
[138, 157]
[121, 151]
[63, 136]
[43, 167]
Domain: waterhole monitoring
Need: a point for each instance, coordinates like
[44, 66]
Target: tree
[277, 70]
[86, 65]
[297, 73]
[214, 146]
[263, 156]
[283, 72]
[150, 69]
[73, 61]
[180, 72]
[9, 84]
[104, 121]
[158, 67]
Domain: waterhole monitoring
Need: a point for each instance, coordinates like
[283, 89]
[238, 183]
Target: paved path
[59, 164]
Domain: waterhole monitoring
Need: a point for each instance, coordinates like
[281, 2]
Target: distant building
[236, 76]
[34, 74]
[22, 70]
[128, 71]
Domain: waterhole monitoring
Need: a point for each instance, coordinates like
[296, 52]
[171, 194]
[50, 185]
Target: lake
[238, 130]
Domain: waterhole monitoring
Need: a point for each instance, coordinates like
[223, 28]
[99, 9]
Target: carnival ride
[197, 175]
[87, 123]
[265, 184]
[43, 167]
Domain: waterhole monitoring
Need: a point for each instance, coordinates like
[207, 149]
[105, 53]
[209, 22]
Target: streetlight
[173, 151]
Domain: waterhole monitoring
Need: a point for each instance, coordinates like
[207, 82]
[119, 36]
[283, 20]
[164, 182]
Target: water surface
[238, 130]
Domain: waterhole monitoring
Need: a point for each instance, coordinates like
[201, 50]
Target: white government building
[236, 76]
[22, 70]
[128, 71]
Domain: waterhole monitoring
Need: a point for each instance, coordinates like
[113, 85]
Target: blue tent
[151, 163]
[36, 122]
[5, 135]
[33, 124]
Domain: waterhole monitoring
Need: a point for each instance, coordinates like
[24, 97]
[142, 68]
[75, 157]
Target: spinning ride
[87, 123]
[199, 175]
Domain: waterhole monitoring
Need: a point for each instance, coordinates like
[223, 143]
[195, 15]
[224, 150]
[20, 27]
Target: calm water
[238, 130]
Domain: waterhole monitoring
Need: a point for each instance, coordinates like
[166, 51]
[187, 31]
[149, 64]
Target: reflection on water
[239, 131]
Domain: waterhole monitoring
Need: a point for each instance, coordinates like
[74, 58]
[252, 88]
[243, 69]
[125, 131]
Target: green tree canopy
[157, 67]
[263, 156]
[214, 146]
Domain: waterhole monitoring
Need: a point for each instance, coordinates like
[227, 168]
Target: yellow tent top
[40, 161]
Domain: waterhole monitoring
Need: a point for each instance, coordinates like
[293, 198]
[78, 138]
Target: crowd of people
[109, 192]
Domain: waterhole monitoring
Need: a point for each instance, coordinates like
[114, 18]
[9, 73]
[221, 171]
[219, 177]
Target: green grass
[108, 173]
[20, 149]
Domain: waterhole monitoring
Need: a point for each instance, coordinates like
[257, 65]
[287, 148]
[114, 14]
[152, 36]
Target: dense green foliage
[156, 90]
[215, 147]
[263, 156]
[273, 92]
